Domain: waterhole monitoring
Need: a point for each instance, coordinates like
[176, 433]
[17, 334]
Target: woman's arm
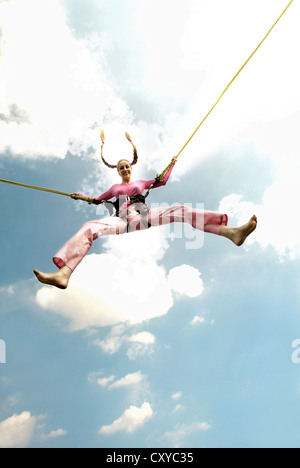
[165, 178]
[96, 201]
[105, 196]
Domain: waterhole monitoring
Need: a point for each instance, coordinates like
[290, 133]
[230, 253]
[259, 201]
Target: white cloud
[176, 395]
[54, 434]
[9, 290]
[162, 46]
[129, 380]
[96, 378]
[278, 224]
[11, 401]
[198, 57]
[122, 295]
[114, 340]
[143, 337]
[276, 139]
[58, 82]
[142, 344]
[138, 350]
[178, 437]
[197, 320]
[103, 382]
[135, 384]
[149, 245]
[120, 288]
[124, 285]
[18, 430]
[185, 280]
[131, 420]
[178, 408]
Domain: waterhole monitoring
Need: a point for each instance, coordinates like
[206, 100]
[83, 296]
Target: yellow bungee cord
[87, 199]
[160, 176]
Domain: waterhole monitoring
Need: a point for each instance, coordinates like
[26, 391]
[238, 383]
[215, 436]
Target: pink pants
[78, 246]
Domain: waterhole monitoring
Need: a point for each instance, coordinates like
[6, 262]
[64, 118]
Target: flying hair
[114, 166]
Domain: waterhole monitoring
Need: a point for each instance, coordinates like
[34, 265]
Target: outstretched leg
[71, 254]
[239, 235]
[207, 221]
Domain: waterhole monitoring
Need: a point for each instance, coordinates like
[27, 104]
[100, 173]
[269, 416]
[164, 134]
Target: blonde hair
[115, 166]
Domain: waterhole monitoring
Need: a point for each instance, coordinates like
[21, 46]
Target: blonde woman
[132, 214]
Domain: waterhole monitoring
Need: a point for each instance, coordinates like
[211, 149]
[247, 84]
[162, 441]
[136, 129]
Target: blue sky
[159, 341]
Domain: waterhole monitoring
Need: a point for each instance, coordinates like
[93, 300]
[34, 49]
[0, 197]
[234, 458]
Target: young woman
[132, 214]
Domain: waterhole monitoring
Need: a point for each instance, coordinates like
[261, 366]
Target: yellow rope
[89, 200]
[226, 89]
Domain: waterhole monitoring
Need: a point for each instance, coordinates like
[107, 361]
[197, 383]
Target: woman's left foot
[60, 279]
[241, 233]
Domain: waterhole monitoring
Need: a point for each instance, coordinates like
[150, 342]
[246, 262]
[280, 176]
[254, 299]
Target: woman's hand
[174, 159]
[77, 196]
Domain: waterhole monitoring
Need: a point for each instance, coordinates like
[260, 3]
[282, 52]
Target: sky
[167, 337]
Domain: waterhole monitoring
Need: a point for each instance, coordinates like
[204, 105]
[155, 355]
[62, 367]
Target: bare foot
[240, 234]
[59, 279]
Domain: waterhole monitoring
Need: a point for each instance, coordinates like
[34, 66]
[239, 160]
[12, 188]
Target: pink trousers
[78, 246]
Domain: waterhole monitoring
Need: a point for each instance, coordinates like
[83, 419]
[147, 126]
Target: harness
[137, 201]
[114, 207]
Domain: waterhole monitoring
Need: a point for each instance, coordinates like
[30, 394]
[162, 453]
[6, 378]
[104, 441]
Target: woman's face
[124, 169]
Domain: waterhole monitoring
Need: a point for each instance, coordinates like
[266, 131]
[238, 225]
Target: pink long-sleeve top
[120, 191]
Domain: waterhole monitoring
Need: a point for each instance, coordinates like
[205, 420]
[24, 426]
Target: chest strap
[115, 206]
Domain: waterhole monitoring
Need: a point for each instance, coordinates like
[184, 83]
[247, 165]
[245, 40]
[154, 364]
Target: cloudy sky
[165, 338]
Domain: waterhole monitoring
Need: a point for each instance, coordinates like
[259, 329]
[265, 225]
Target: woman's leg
[204, 220]
[207, 221]
[72, 253]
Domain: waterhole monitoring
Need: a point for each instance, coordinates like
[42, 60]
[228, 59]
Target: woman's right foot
[59, 279]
